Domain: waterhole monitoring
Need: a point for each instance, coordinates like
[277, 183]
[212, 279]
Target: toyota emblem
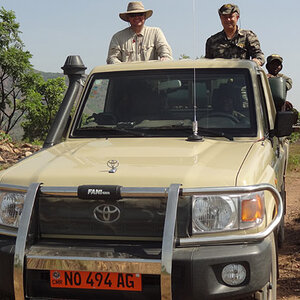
[107, 213]
[113, 164]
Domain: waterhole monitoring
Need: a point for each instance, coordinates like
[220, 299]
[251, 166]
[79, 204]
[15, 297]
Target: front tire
[281, 235]
[269, 291]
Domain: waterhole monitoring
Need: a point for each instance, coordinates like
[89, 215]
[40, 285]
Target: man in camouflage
[233, 42]
[274, 66]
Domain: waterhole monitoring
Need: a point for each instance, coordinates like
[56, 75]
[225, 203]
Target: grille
[127, 218]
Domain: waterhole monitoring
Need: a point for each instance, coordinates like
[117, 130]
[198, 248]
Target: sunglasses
[136, 15]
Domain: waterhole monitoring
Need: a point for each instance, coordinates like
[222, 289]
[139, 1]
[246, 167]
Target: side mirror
[278, 89]
[284, 123]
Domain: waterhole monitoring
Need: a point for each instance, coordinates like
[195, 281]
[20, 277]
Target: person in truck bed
[138, 42]
[233, 42]
[274, 66]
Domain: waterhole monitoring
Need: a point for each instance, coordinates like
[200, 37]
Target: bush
[295, 137]
[41, 109]
[4, 137]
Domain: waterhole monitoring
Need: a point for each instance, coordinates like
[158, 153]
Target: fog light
[234, 274]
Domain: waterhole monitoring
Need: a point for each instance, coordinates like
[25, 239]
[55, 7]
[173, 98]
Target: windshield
[166, 102]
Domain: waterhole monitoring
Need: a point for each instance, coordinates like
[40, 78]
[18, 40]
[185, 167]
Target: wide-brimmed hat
[134, 8]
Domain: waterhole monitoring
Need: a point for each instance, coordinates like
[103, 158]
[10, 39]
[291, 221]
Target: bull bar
[39, 258]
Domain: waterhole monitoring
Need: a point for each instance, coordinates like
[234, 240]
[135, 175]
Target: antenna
[195, 137]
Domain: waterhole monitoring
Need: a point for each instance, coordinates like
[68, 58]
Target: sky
[53, 29]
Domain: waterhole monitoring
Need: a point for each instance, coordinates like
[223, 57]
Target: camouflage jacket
[244, 45]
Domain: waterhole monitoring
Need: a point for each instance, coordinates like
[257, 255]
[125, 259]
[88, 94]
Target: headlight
[211, 213]
[11, 206]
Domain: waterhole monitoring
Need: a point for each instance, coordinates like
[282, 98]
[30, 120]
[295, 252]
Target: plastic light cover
[213, 213]
[11, 206]
[234, 274]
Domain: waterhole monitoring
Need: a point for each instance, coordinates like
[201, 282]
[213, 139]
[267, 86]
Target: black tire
[269, 291]
[281, 231]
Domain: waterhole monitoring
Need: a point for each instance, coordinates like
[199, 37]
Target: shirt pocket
[149, 51]
[127, 54]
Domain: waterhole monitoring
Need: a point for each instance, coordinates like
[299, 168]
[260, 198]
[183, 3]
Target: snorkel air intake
[75, 70]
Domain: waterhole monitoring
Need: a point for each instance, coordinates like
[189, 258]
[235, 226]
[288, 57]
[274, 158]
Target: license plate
[96, 280]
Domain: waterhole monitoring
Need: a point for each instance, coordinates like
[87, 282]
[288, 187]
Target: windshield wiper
[113, 129]
[123, 128]
[211, 132]
[202, 131]
[170, 126]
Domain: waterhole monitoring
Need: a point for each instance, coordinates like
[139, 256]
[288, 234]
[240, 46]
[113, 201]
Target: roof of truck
[177, 64]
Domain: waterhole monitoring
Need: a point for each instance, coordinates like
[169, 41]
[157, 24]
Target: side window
[96, 100]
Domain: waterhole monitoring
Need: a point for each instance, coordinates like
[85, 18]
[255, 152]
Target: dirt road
[289, 255]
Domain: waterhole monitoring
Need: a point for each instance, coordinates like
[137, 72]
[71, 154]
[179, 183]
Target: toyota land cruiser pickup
[158, 180]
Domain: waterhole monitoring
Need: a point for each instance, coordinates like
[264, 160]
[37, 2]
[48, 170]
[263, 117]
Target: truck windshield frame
[160, 103]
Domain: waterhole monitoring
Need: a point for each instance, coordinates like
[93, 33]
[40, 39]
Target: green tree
[24, 95]
[16, 73]
[41, 107]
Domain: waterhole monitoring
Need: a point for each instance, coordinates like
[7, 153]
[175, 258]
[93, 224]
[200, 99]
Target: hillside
[49, 75]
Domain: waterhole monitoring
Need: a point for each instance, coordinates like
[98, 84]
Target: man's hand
[164, 58]
[257, 61]
[287, 106]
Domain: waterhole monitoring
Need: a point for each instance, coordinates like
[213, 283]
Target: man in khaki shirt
[138, 42]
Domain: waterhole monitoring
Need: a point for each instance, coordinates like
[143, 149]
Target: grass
[294, 155]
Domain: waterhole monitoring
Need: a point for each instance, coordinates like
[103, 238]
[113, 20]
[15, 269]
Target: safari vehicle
[166, 183]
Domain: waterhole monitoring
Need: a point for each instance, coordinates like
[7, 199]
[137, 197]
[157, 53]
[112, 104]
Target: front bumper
[187, 268]
[196, 272]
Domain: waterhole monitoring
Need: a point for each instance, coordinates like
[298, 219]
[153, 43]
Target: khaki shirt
[243, 45]
[150, 44]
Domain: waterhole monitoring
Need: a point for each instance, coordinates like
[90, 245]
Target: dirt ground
[289, 255]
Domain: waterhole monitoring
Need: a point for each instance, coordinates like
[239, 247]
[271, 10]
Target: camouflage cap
[272, 57]
[228, 9]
